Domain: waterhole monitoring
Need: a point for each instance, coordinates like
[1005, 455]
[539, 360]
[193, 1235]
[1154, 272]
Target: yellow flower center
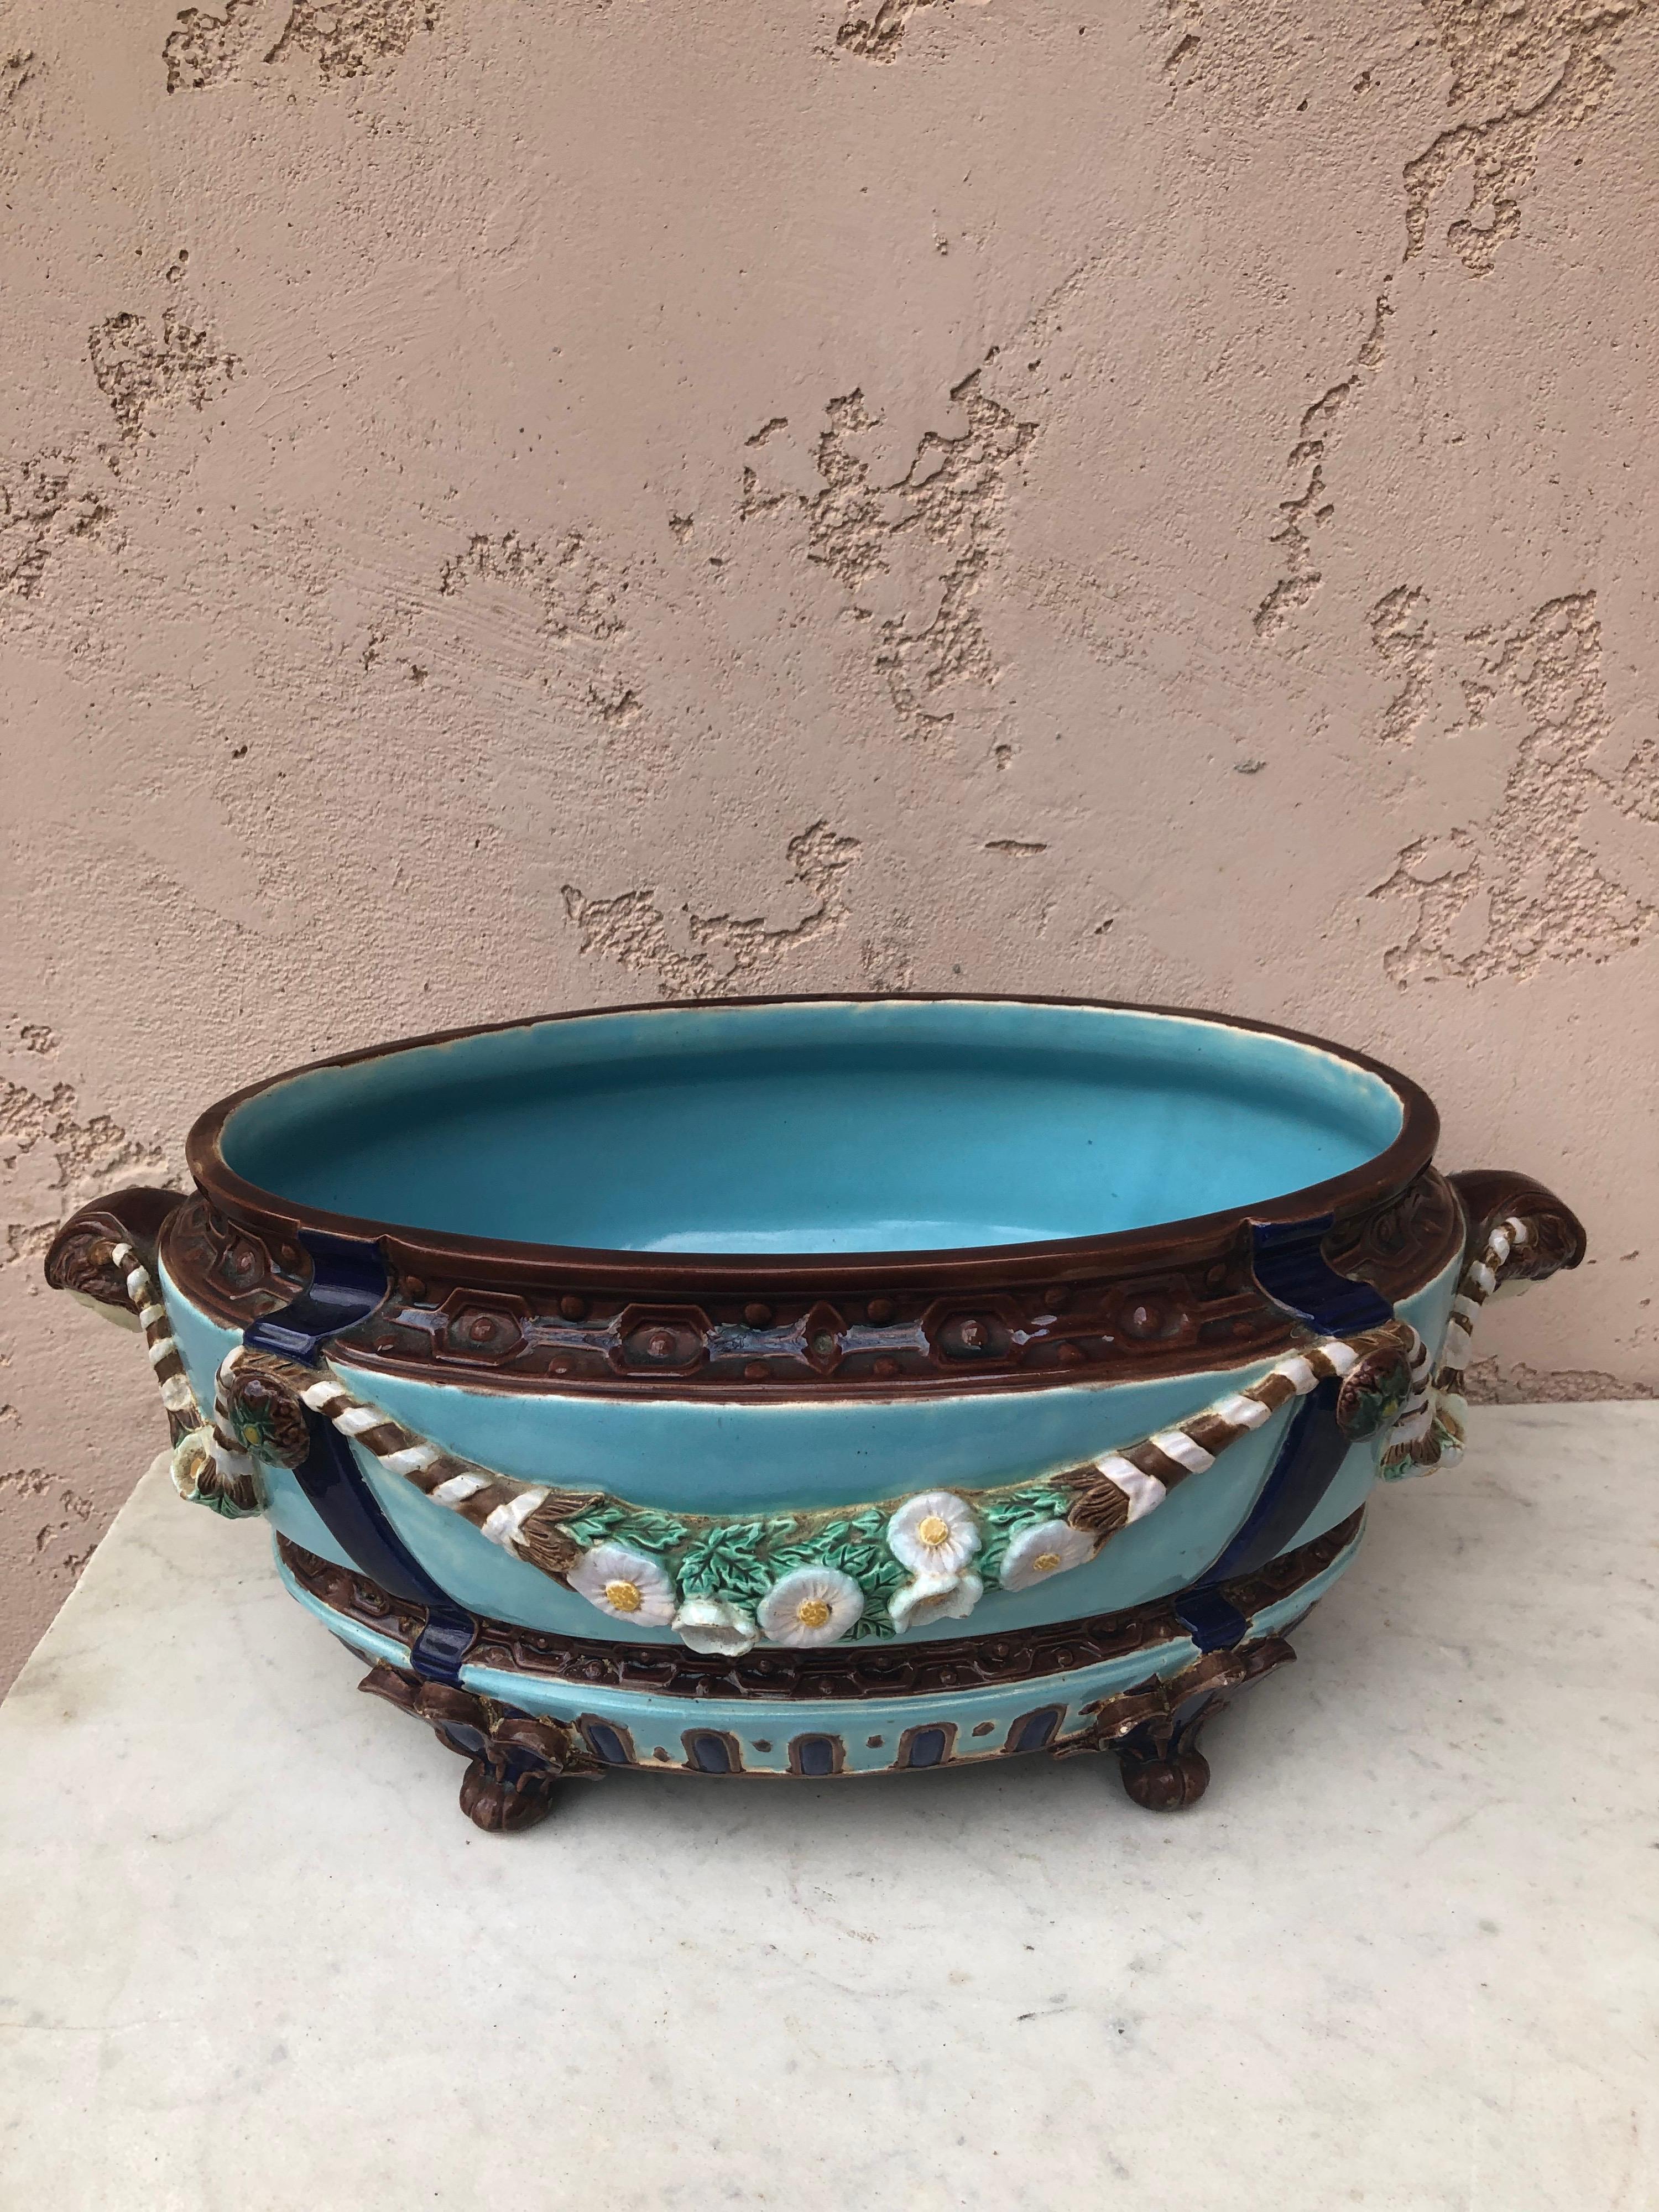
[933, 1530]
[623, 1597]
[1046, 1562]
[814, 1614]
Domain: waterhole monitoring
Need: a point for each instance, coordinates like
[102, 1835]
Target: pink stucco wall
[504, 507]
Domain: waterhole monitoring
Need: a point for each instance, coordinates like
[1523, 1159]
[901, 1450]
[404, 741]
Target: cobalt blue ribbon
[348, 1282]
[1291, 1266]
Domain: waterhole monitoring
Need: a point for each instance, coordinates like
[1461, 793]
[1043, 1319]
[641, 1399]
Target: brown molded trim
[681, 1273]
[1213, 1316]
[503, 1315]
[839, 1671]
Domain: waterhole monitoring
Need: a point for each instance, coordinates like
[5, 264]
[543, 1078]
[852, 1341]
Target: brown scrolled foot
[1162, 1766]
[1164, 1783]
[513, 1759]
[1153, 1729]
[502, 1801]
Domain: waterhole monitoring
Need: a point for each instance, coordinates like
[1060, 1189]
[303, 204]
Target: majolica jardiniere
[817, 1386]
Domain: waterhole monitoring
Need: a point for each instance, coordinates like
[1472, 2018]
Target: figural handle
[1491, 1196]
[81, 1258]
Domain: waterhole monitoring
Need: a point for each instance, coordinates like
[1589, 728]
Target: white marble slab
[1402, 1956]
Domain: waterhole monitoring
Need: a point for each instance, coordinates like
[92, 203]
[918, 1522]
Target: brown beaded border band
[1137, 1302]
[1203, 1308]
[836, 1671]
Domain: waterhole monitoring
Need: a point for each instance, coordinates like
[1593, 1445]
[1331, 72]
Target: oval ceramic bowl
[815, 1386]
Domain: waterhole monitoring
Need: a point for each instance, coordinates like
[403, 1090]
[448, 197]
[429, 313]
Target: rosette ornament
[935, 1536]
[628, 1585]
[810, 1605]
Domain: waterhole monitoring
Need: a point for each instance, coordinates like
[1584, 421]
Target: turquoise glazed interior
[833, 1126]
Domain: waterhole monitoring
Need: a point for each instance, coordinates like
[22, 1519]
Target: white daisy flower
[1047, 1547]
[935, 1597]
[711, 1623]
[933, 1534]
[626, 1585]
[810, 1605]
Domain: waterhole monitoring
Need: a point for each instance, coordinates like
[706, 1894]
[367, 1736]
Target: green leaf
[590, 1529]
[1011, 1508]
[642, 1529]
[870, 1627]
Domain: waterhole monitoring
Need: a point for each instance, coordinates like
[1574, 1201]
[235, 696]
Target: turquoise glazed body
[814, 1386]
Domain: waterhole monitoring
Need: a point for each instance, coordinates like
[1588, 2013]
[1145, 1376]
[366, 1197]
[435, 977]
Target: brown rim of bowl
[490, 1258]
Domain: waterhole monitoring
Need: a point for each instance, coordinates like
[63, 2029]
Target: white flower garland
[937, 1537]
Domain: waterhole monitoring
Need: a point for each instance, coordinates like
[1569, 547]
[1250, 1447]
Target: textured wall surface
[510, 506]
